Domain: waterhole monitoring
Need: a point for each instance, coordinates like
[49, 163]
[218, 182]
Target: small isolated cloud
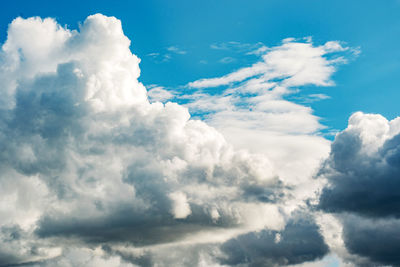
[159, 57]
[227, 60]
[176, 50]
[153, 54]
[167, 54]
[319, 96]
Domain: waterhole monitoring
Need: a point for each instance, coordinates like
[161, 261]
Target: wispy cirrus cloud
[227, 60]
[176, 50]
[167, 54]
[237, 46]
[296, 64]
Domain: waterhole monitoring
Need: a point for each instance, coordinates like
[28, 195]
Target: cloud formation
[98, 171]
[363, 173]
[251, 108]
[363, 168]
[298, 63]
[93, 173]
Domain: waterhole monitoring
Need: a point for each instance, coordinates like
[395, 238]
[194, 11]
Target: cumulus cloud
[363, 168]
[362, 172]
[94, 173]
[98, 171]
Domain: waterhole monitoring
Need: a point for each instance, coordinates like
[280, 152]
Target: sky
[210, 133]
[153, 26]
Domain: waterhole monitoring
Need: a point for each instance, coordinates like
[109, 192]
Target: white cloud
[297, 63]
[252, 110]
[237, 76]
[87, 160]
[176, 50]
[95, 174]
[227, 60]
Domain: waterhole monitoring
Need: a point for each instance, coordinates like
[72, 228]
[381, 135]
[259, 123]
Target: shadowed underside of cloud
[375, 239]
[363, 172]
[300, 241]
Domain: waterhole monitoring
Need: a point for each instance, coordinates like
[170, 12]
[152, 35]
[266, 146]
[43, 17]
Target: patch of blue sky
[369, 83]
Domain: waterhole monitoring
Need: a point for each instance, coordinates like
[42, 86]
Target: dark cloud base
[300, 241]
[363, 172]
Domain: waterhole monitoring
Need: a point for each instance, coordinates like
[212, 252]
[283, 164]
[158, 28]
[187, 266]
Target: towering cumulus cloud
[363, 172]
[92, 174]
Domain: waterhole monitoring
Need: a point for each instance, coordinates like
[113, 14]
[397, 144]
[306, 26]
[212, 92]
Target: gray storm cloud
[363, 172]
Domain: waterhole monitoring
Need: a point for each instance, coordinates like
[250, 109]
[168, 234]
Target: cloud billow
[363, 174]
[96, 170]
[91, 168]
[363, 169]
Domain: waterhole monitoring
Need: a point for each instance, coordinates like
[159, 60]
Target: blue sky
[367, 83]
[199, 133]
